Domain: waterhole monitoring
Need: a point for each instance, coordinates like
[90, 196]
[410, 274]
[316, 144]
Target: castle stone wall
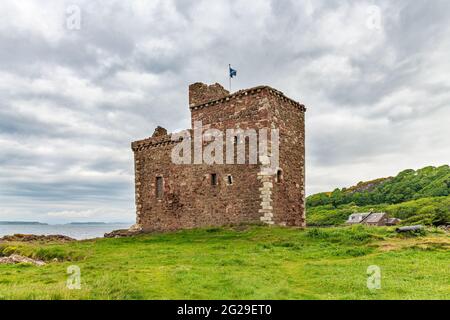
[252, 194]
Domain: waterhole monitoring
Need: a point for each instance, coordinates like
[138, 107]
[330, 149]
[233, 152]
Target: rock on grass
[15, 258]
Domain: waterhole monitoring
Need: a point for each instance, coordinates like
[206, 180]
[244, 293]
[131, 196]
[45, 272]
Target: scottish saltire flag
[233, 72]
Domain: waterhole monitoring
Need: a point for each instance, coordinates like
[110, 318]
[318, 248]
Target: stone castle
[172, 196]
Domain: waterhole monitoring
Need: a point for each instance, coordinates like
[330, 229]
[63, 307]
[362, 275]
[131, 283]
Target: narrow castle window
[214, 179]
[159, 187]
[230, 179]
[279, 176]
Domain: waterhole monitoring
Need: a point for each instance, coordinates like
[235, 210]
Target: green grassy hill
[415, 196]
[244, 262]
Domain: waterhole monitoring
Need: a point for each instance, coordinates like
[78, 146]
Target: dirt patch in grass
[416, 243]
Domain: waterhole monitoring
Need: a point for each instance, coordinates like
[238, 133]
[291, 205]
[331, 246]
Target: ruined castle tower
[173, 196]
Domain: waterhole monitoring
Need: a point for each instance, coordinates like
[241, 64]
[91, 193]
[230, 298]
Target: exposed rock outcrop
[122, 233]
[15, 258]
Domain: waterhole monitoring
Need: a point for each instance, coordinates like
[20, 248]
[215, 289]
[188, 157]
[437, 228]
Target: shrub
[8, 250]
[316, 233]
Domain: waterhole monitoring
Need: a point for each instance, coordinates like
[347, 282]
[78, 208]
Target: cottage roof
[374, 217]
[359, 215]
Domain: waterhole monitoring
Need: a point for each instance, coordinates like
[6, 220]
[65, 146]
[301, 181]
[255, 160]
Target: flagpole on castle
[232, 74]
[229, 74]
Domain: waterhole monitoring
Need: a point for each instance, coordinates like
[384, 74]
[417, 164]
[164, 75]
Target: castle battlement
[246, 92]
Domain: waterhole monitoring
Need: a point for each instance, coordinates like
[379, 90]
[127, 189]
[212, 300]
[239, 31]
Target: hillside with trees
[415, 196]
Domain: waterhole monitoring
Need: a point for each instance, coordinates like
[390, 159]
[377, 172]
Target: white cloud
[74, 214]
[43, 18]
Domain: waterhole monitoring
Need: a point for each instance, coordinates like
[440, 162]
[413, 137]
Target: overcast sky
[374, 76]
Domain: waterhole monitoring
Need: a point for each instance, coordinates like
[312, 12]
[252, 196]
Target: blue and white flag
[233, 72]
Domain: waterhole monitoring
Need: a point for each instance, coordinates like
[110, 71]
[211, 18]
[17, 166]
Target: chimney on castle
[201, 93]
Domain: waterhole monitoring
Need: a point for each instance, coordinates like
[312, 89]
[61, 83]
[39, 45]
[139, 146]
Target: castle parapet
[201, 93]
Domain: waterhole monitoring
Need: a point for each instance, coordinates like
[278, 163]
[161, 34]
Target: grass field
[245, 262]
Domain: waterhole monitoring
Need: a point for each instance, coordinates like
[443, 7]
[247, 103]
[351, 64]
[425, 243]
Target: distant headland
[22, 223]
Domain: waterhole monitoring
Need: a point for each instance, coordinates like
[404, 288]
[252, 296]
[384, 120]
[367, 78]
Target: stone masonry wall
[190, 200]
[201, 93]
[289, 193]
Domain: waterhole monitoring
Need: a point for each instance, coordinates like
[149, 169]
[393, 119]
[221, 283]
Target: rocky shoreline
[32, 238]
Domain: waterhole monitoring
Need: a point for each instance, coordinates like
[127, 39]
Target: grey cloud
[64, 191]
[373, 107]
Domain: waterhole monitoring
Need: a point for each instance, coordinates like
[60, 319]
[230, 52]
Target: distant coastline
[9, 223]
